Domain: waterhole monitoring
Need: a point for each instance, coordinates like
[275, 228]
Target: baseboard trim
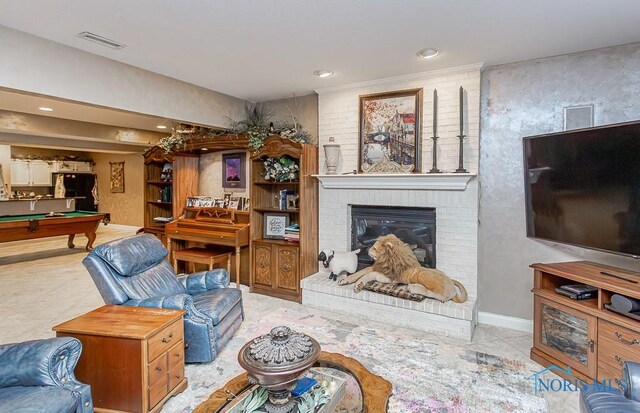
[498, 320]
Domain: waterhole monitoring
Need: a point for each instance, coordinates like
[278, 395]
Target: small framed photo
[226, 199]
[234, 202]
[233, 171]
[275, 224]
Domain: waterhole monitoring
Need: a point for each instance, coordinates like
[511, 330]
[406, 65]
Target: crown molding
[413, 76]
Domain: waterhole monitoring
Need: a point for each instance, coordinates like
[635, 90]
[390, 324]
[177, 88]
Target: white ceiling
[26, 103]
[261, 50]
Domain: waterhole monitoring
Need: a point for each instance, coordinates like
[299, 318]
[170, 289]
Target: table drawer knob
[625, 341]
[159, 368]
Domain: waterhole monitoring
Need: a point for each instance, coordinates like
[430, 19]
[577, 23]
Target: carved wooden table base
[375, 389]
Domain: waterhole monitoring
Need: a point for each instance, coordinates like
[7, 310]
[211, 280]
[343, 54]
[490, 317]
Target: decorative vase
[331, 156]
[60, 190]
[276, 361]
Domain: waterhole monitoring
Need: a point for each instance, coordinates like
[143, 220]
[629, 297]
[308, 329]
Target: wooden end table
[133, 357]
[375, 390]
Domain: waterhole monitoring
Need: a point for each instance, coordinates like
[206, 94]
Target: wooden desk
[133, 357]
[211, 226]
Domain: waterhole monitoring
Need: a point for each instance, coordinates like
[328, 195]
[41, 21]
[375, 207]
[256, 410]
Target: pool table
[21, 227]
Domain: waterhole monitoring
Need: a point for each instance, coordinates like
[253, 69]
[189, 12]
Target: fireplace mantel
[442, 182]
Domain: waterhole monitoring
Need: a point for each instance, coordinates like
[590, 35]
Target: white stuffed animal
[338, 262]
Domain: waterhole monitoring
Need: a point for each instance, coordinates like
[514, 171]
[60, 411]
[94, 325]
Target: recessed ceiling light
[161, 127]
[45, 109]
[205, 149]
[322, 73]
[427, 53]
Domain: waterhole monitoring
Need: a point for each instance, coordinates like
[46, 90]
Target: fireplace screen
[415, 226]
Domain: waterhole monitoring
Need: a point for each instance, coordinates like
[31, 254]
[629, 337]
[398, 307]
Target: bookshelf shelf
[278, 265]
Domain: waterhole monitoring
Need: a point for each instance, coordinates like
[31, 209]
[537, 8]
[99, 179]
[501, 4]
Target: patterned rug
[427, 376]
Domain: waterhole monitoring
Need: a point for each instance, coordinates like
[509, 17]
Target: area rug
[427, 375]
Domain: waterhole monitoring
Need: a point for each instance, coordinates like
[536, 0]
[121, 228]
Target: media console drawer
[621, 336]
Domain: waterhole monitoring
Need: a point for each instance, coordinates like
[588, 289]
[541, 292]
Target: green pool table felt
[10, 218]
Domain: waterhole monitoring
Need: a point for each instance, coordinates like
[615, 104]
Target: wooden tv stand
[582, 334]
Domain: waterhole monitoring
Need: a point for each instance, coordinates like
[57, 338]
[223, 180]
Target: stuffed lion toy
[395, 263]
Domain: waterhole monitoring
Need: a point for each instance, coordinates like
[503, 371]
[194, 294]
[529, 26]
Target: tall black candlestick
[461, 136]
[435, 169]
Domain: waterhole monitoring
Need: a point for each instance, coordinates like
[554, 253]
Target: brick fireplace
[454, 197]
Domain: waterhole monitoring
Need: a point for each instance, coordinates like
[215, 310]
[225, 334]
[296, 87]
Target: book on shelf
[292, 233]
[285, 196]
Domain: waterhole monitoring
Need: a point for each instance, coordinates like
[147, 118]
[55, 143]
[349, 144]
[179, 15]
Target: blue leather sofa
[596, 399]
[37, 377]
[133, 271]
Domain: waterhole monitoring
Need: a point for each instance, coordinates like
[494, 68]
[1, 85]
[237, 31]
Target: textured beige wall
[304, 108]
[210, 179]
[524, 99]
[33, 64]
[126, 208]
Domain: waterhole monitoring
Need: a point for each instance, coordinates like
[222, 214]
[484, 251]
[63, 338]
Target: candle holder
[435, 169]
[462, 135]
[461, 155]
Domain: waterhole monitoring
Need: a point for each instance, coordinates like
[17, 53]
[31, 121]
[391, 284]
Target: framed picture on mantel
[390, 126]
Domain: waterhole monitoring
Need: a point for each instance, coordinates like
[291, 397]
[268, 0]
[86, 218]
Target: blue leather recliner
[133, 271]
[596, 399]
[37, 377]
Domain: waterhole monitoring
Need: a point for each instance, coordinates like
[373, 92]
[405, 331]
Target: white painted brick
[457, 211]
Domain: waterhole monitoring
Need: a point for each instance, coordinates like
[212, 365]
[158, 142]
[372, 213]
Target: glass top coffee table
[363, 390]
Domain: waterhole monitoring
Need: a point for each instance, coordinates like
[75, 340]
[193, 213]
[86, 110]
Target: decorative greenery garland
[280, 169]
[256, 126]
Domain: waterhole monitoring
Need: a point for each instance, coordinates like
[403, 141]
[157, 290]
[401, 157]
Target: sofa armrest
[39, 363]
[83, 394]
[173, 302]
[202, 281]
[631, 380]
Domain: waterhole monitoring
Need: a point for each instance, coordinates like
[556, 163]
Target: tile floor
[43, 283]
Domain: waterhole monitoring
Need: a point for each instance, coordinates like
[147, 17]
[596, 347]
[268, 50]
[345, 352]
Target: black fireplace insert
[415, 226]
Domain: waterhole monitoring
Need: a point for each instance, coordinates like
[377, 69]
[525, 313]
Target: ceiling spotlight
[322, 73]
[427, 53]
[45, 109]
[161, 127]
[204, 149]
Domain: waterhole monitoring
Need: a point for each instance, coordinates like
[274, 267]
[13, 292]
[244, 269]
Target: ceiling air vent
[92, 37]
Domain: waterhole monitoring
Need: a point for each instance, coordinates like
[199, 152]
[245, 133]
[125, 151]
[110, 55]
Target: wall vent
[92, 37]
[578, 117]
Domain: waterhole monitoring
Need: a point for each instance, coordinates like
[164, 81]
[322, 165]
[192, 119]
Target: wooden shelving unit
[277, 266]
[184, 184]
[584, 334]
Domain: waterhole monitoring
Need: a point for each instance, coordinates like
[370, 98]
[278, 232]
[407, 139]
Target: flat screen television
[583, 187]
